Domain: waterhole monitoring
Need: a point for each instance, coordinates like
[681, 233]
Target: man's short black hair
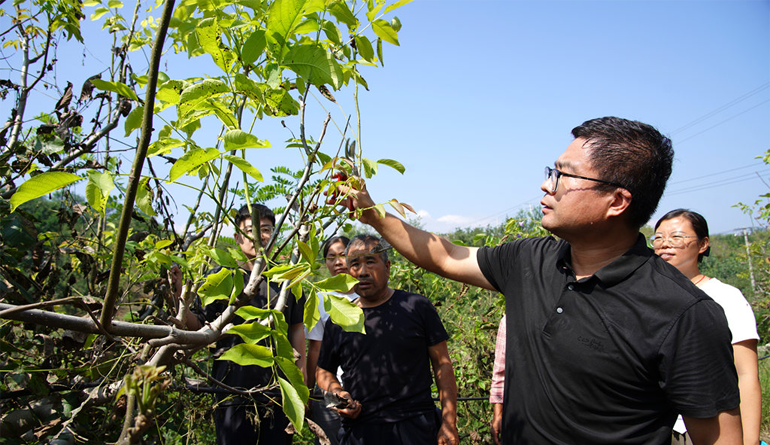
[264, 212]
[633, 154]
[367, 240]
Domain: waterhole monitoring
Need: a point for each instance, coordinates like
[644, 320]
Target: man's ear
[621, 200]
[238, 237]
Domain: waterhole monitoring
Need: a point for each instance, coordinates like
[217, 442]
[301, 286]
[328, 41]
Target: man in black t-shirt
[234, 417]
[387, 376]
[605, 342]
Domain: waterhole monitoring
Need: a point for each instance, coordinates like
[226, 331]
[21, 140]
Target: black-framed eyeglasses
[553, 175]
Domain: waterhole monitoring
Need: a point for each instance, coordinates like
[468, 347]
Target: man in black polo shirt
[387, 370]
[606, 343]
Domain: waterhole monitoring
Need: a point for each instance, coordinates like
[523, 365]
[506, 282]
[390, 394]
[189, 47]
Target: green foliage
[265, 59]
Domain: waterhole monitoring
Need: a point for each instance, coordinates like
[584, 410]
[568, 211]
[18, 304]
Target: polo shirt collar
[616, 271]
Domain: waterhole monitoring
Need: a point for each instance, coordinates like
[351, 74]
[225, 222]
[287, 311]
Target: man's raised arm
[426, 250]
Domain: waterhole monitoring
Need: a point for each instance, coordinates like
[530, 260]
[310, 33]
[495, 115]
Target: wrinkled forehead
[360, 248]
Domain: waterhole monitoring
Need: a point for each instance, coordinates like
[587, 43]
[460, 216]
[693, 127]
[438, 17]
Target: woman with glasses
[682, 239]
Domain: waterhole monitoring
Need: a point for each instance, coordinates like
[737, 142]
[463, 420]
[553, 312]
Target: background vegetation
[92, 345]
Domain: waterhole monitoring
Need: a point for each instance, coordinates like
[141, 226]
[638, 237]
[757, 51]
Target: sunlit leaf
[210, 39]
[245, 354]
[314, 64]
[116, 87]
[164, 145]
[398, 4]
[293, 405]
[237, 139]
[190, 161]
[393, 164]
[251, 312]
[342, 13]
[370, 167]
[306, 252]
[365, 48]
[311, 315]
[98, 189]
[345, 313]
[245, 167]
[285, 272]
[343, 283]
[250, 332]
[385, 31]
[199, 92]
[144, 195]
[217, 286]
[134, 120]
[40, 185]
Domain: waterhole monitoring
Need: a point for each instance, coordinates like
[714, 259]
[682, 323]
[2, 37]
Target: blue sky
[481, 95]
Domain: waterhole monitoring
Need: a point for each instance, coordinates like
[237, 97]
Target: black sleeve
[697, 366]
[328, 358]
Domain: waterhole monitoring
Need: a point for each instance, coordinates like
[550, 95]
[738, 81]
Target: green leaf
[98, 189]
[190, 161]
[218, 286]
[115, 4]
[98, 13]
[393, 164]
[308, 26]
[134, 120]
[199, 92]
[365, 48]
[162, 244]
[283, 17]
[283, 348]
[293, 373]
[245, 167]
[220, 256]
[49, 144]
[278, 102]
[210, 39]
[311, 315]
[345, 313]
[238, 285]
[144, 195]
[308, 254]
[253, 47]
[237, 139]
[379, 52]
[314, 64]
[40, 185]
[372, 13]
[343, 283]
[285, 272]
[250, 333]
[293, 405]
[248, 87]
[164, 145]
[245, 354]
[116, 87]
[370, 167]
[398, 4]
[385, 31]
[342, 13]
[332, 32]
[251, 312]
[171, 91]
